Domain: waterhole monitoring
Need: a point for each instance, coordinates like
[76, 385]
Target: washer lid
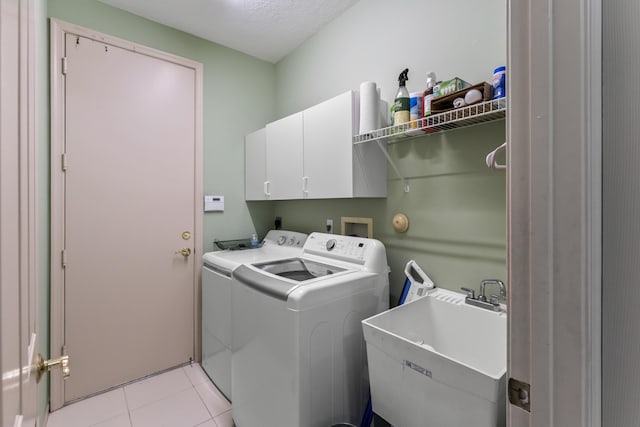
[266, 284]
[229, 260]
[298, 269]
[279, 278]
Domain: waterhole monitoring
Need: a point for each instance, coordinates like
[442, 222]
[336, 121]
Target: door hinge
[64, 258]
[64, 162]
[65, 66]
[520, 394]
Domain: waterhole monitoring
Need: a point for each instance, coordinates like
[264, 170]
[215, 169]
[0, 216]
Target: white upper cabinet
[311, 155]
[284, 158]
[255, 165]
[333, 167]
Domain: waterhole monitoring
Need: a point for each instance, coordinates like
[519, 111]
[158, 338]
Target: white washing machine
[299, 356]
[216, 298]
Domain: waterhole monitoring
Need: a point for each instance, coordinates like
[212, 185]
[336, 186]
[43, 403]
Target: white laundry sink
[437, 361]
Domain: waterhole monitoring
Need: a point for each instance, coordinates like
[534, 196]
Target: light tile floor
[183, 397]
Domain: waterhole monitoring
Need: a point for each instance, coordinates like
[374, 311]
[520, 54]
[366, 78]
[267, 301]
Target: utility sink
[437, 361]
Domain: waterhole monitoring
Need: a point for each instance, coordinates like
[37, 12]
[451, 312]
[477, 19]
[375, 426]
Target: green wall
[239, 97]
[456, 206]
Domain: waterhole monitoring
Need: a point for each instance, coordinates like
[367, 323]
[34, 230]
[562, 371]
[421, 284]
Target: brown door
[129, 197]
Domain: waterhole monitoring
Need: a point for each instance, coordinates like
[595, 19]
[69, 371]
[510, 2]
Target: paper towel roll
[369, 102]
[383, 111]
[384, 114]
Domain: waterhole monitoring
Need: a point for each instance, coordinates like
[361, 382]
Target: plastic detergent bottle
[254, 241]
[415, 106]
[499, 82]
[401, 111]
[428, 94]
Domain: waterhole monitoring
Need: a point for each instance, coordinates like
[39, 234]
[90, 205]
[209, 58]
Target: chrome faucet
[500, 283]
[481, 301]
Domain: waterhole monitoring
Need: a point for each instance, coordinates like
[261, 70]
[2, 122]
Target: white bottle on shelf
[428, 94]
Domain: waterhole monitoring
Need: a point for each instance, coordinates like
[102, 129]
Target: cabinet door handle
[267, 184]
[305, 183]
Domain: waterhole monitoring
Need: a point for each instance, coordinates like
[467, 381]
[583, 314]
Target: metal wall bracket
[405, 184]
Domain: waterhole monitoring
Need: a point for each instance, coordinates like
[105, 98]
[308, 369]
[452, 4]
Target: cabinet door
[284, 158]
[328, 148]
[255, 165]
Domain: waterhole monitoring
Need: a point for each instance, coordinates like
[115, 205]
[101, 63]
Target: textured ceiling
[266, 29]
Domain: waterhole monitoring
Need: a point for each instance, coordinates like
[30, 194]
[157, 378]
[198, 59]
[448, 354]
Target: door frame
[19, 118]
[58, 30]
[554, 130]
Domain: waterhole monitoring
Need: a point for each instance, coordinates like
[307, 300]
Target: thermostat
[213, 203]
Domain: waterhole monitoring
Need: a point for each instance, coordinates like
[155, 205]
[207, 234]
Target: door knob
[43, 366]
[185, 252]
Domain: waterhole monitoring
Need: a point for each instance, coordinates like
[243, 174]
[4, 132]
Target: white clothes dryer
[299, 356]
[216, 298]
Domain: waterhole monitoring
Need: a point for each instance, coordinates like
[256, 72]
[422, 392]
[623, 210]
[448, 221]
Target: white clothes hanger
[491, 158]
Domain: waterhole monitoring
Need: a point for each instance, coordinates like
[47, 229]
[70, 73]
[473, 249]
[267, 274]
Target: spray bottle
[401, 104]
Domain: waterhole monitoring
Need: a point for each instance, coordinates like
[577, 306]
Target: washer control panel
[331, 244]
[342, 246]
[286, 238]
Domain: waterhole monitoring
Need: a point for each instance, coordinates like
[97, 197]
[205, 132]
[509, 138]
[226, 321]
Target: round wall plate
[400, 222]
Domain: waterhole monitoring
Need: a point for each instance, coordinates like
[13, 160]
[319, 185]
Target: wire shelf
[483, 112]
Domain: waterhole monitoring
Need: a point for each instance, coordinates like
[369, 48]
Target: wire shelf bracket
[405, 183]
[483, 112]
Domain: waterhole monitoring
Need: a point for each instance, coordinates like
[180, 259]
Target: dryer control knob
[282, 240]
[331, 244]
